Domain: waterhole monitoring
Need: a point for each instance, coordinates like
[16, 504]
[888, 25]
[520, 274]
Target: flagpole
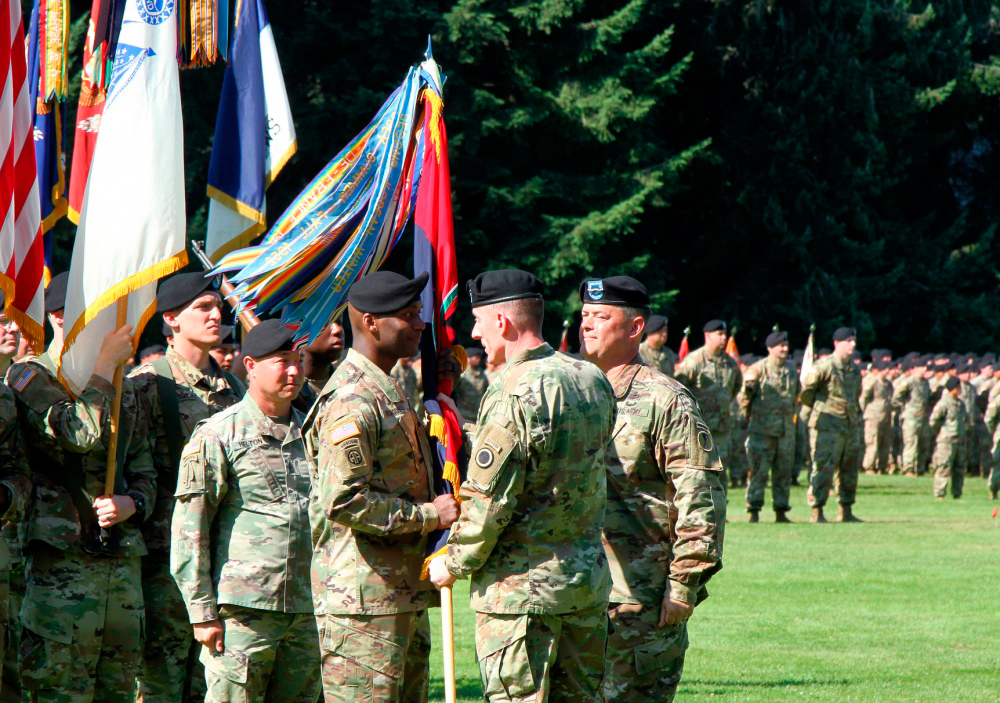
[111, 471]
[448, 631]
[247, 318]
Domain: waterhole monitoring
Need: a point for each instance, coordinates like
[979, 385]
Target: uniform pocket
[231, 665]
[363, 648]
[504, 659]
[664, 651]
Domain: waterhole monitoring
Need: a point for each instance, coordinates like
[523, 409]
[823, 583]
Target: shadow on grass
[464, 688]
[766, 684]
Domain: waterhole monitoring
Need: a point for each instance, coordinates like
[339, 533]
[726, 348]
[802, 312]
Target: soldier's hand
[438, 571]
[210, 634]
[448, 367]
[448, 510]
[674, 612]
[111, 511]
[115, 350]
[449, 402]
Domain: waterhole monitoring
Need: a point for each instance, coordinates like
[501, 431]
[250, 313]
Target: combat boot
[844, 514]
[993, 494]
[817, 515]
[754, 516]
[780, 516]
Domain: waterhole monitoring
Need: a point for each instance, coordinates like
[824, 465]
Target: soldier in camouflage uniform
[533, 507]
[714, 379]
[950, 427]
[876, 409]
[406, 372]
[992, 420]
[373, 506]
[82, 613]
[911, 396]
[320, 358]
[240, 542]
[654, 350]
[472, 384]
[767, 400]
[830, 393]
[666, 502]
[176, 393]
[15, 493]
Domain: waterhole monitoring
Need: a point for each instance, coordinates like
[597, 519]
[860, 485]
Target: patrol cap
[382, 292]
[655, 324]
[952, 383]
[776, 338]
[55, 292]
[842, 334]
[504, 285]
[268, 337]
[179, 290]
[614, 290]
[474, 351]
[714, 326]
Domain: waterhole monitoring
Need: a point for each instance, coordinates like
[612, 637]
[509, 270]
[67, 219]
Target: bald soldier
[654, 350]
[241, 548]
[830, 400]
[177, 392]
[714, 379]
[767, 401]
[373, 505]
[666, 500]
[533, 506]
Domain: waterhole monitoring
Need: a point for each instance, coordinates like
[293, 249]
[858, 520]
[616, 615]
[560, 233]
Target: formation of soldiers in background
[230, 457]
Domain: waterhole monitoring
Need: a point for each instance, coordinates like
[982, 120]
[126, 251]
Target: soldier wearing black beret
[654, 350]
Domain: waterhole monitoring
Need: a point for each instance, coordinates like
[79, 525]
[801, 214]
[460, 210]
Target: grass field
[903, 608]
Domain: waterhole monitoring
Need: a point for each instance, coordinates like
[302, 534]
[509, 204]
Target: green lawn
[904, 608]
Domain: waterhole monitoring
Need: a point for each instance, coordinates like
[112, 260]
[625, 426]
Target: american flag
[21, 245]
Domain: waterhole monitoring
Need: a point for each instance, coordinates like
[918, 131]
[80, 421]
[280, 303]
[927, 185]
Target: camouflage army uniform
[409, 381]
[240, 553]
[170, 671]
[911, 395]
[469, 392]
[714, 381]
[15, 477]
[950, 428]
[370, 514]
[976, 428]
[876, 408]
[662, 532]
[664, 359]
[767, 400]
[530, 530]
[82, 613]
[992, 420]
[830, 393]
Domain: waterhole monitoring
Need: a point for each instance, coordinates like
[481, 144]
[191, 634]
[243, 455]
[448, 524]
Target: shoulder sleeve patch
[191, 475]
[344, 431]
[489, 454]
[22, 377]
[193, 447]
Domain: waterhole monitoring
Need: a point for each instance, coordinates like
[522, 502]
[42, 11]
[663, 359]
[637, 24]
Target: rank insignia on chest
[343, 431]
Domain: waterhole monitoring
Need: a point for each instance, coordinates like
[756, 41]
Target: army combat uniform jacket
[714, 381]
[832, 389]
[533, 505]
[370, 511]
[768, 397]
[663, 359]
[240, 530]
[666, 501]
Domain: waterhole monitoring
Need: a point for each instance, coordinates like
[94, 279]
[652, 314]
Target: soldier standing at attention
[767, 401]
[240, 549]
[472, 384]
[876, 408]
[81, 620]
[373, 506]
[319, 360]
[654, 350]
[714, 379]
[830, 393]
[533, 506]
[176, 393]
[666, 501]
[911, 396]
[950, 428]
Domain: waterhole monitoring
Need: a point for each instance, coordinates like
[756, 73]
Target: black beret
[714, 326]
[614, 290]
[55, 292]
[177, 291]
[474, 351]
[503, 285]
[655, 324]
[382, 292]
[944, 366]
[952, 383]
[267, 337]
[776, 338]
[843, 334]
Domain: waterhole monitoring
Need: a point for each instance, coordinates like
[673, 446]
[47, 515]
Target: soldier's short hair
[643, 312]
[526, 313]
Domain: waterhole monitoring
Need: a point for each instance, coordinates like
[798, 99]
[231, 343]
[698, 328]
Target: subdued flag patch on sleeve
[344, 430]
[193, 447]
[26, 375]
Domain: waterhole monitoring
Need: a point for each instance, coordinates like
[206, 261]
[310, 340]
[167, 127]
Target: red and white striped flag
[21, 246]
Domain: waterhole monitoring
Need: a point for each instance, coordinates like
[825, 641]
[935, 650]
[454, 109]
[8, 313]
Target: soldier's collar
[191, 373]
[538, 352]
[270, 428]
[383, 380]
[622, 382]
